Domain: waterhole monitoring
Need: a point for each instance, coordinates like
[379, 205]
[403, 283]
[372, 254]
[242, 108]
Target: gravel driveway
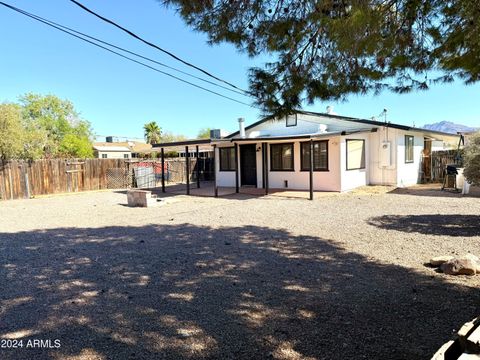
[342, 277]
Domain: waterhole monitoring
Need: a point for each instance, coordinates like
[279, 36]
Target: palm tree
[152, 132]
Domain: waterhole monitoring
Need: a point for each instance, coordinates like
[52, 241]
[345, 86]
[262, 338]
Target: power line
[153, 45]
[46, 22]
[242, 92]
[128, 51]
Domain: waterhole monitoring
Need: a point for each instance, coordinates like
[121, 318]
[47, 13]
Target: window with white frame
[227, 158]
[409, 144]
[355, 154]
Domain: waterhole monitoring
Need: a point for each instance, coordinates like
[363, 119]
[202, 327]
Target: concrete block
[141, 198]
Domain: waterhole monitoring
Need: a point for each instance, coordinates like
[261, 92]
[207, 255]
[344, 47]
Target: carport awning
[203, 144]
[299, 136]
[207, 144]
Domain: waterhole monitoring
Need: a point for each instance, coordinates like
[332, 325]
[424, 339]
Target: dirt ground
[238, 277]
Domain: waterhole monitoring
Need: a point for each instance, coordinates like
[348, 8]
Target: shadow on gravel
[181, 291]
[435, 190]
[447, 225]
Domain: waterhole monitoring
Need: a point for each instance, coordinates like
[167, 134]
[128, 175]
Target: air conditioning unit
[386, 154]
[215, 134]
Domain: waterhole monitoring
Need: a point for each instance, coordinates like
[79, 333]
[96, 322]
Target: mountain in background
[449, 127]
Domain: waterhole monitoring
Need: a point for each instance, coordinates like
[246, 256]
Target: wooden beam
[237, 187]
[187, 162]
[311, 169]
[197, 153]
[264, 165]
[163, 169]
[266, 169]
[215, 170]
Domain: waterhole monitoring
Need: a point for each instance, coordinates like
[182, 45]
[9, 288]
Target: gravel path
[342, 277]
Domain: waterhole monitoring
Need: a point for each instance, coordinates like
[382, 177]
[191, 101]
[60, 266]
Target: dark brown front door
[248, 165]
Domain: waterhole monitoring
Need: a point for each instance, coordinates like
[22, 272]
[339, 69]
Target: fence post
[266, 168]
[311, 169]
[163, 169]
[187, 162]
[25, 178]
[198, 167]
[215, 170]
[237, 187]
[10, 180]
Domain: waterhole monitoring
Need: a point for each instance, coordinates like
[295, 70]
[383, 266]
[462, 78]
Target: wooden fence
[25, 179]
[434, 164]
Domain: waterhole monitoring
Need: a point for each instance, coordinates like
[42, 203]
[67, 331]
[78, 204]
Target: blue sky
[118, 97]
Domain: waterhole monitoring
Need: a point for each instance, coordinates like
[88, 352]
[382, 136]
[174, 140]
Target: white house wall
[224, 178]
[114, 154]
[379, 174]
[351, 179]
[409, 173]
[297, 179]
[300, 180]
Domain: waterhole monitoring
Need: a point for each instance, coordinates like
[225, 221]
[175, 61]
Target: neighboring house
[120, 150]
[112, 152]
[347, 153]
[202, 154]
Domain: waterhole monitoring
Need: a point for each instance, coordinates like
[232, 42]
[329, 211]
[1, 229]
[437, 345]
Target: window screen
[281, 157]
[355, 154]
[409, 141]
[227, 159]
[320, 155]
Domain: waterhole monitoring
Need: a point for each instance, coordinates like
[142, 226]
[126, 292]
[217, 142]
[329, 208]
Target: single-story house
[347, 152]
[202, 153]
[321, 152]
[120, 149]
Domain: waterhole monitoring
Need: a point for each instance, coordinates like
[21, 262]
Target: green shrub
[472, 160]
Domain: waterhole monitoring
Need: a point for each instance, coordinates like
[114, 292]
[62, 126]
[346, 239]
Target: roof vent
[241, 125]
[322, 128]
[330, 110]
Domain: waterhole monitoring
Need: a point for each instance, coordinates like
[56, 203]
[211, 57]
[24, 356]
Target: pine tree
[328, 49]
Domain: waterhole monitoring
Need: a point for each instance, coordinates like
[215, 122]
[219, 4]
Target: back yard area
[238, 277]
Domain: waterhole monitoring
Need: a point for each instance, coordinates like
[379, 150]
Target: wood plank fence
[25, 179]
[21, 179]
[434, 164]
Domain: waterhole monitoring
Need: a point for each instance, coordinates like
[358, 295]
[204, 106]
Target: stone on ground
[460, 266]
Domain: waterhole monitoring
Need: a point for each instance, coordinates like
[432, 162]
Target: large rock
[439, 260]
[460, 266]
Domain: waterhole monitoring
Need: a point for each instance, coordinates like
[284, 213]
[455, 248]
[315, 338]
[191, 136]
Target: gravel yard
[241, 277]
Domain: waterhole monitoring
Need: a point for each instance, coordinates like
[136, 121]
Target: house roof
[203, 144]
[348, 119]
